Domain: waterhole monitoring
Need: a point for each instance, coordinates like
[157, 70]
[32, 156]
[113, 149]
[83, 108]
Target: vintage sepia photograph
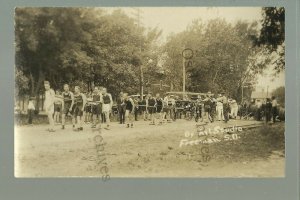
[183, 92]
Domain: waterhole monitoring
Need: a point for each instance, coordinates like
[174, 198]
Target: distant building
[259, 97]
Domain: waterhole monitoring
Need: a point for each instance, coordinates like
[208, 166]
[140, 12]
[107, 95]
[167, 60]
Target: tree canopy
[272, 34]
[84, 46]
[225, 58]
[89, 46]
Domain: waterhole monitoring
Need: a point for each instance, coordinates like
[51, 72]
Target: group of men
[75, 105]
[220, 107]
[159, 109]
[153, 108]
[96, 107]
[267, 109]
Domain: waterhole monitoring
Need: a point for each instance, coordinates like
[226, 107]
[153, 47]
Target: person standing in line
[166, 109]
[97, 106]
[142, 108]
[80, 101]
[234, 108]
[121, 108]
[57, 107]
[106, 106]
[30, 110]
[274, 108]
[220, 108]
[159, 108]
[136, 107]
[198, 109]
[213, 106]
[152, 109]
[67, 105]
[129, 110]
[172, 108]
[268, 110]
[207, 108]
[225, 107]
[258, 110]
[49, 104]
[88, 109]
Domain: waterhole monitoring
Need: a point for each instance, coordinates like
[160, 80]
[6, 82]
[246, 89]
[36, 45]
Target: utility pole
[183, 75]
[187, 55]
[267, 91]
[137, 14]
[242, 92]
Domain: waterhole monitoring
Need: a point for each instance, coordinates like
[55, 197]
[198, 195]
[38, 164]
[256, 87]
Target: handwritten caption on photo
[210, 135]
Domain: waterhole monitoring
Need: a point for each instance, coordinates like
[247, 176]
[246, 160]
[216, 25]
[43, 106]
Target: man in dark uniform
[152, 108]
[143, 104]
[207, 108]
[198, 106]
[79, 102]
[68, 105]
[274, 108]
[88, 108]
[129, 110]
[136, 107]
[225, 107]
[268, 110]
[121, 108]
[159, 108]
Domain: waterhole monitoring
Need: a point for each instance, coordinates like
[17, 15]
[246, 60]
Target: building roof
[260, 95]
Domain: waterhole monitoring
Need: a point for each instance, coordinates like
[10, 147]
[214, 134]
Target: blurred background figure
[31, 109]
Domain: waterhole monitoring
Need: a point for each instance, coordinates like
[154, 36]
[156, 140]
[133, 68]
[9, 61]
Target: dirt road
[143, 151]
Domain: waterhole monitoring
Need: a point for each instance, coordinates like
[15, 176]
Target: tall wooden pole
[183, 75]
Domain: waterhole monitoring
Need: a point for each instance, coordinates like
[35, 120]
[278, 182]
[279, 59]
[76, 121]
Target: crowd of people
[98, 106]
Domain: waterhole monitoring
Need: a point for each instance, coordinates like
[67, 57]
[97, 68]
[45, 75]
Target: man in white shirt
[31, 109]
[234, 108]
[49, 104]
[220, 108]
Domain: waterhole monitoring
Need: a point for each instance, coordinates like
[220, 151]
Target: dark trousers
[122, 115]
[30, 116]
[136, 111]
[274, 113]
[268, 115]
[226, 112]
[258, 114]
[103, 118]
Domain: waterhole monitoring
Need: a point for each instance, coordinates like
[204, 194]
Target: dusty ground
[149, 151]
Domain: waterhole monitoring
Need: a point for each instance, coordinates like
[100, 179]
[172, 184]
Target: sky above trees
[173, 20]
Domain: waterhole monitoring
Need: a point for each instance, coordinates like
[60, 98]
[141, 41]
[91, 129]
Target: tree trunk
[41, 78]
[32, 84]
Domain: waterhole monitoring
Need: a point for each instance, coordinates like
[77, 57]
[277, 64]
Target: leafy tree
[272, 34]
[22, 83]
[84, 46]
[224, 56]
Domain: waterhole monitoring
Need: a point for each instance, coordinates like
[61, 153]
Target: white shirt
[274, 103]
[31, 105]
[49, 98]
